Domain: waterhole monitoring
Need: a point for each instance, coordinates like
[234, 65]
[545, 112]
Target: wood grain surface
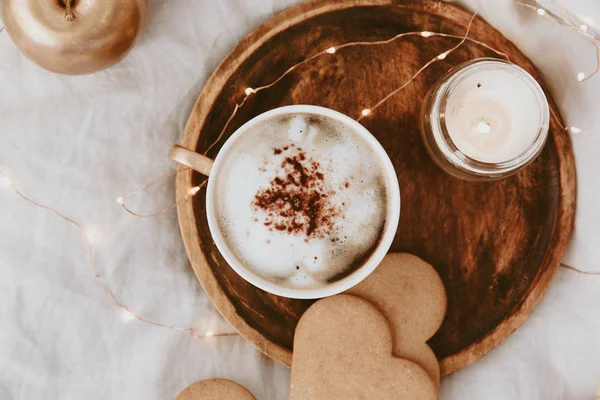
[495, 245]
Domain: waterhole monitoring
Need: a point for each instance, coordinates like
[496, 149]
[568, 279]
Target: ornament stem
[69, 16]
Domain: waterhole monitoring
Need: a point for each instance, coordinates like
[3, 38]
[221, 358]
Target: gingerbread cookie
[215, 389]
[343, 350]
[411, 296]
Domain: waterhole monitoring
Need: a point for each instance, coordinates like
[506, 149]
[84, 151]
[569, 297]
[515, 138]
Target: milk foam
[352, 176]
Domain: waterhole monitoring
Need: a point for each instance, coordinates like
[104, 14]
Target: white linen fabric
[77, 143]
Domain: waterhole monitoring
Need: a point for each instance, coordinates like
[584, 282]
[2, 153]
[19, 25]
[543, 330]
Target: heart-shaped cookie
[411, 296]
[343, 350]
[215, 389]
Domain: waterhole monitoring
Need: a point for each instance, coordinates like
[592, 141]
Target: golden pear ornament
[74, 36]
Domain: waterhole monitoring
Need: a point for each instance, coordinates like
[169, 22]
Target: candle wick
[483, 127]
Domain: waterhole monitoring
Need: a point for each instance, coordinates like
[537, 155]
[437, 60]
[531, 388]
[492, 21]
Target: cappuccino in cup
[303, 202]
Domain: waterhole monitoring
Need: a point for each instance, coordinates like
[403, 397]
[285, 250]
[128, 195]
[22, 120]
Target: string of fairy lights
[581, 29]
[128, 313]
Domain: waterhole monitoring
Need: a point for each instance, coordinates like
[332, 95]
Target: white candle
[485, 120]
[493, 112]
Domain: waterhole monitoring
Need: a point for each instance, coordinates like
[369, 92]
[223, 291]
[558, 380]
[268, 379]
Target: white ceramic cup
[211, 168]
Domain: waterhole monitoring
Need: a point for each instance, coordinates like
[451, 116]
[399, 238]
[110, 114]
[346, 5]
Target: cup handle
[191, 159]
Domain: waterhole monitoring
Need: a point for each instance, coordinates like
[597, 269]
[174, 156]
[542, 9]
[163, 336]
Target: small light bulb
[194, 190]
[583, 28]
[330, 50]
[541, 11]
[575, 130]
[580, 76]
[90, 236]
[442, 56]
[426, 33]
[5, 182]
[366, 112]
[120, 200]
[127, 315]
[209, 334]
[249, 91]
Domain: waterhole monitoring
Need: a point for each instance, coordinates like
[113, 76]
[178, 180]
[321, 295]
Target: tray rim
[563, 221]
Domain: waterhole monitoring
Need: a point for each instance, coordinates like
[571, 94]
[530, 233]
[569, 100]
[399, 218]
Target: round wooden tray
[495, 245]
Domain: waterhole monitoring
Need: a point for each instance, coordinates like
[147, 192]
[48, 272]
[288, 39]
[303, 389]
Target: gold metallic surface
[73, 36]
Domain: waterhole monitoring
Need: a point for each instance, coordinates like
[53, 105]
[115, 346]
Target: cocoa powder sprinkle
[297, 200]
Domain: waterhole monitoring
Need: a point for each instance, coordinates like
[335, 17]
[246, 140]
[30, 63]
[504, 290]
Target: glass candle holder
[485, 120]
